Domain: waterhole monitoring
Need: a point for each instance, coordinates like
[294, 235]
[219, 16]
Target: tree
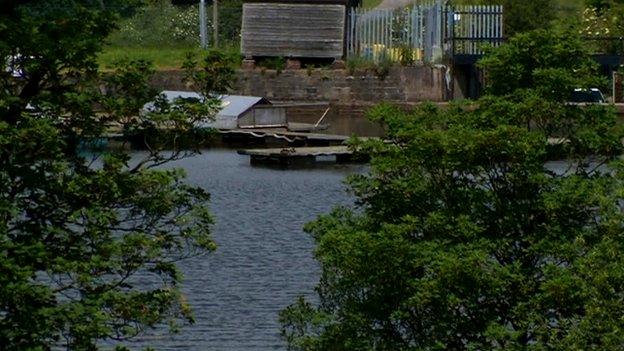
[522, 16]
[539, 62]
[81, 227]
[601, 5]
[469, 237]
[603, 19]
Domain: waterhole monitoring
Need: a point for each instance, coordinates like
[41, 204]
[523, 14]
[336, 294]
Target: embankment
[348, 94]
[400, 84]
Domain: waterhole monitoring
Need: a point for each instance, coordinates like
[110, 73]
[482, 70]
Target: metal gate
[424, 31]
[471, 28]
[387, 34]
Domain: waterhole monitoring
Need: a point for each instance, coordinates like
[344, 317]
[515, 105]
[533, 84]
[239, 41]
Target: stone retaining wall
[349, 95]
[404, 84]
[410, 84]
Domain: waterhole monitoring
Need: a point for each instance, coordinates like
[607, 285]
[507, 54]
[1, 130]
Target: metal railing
[471, 28]
[423, 31]
[381, 33]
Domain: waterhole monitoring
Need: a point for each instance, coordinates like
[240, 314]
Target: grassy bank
[162, 58]
[369, 4]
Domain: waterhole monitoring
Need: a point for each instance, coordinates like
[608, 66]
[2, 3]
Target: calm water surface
[264, 260]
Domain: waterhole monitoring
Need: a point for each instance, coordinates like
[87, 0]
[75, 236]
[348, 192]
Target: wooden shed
[313, 29]
[236, 111]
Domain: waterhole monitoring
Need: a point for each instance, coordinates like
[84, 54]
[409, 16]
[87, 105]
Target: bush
[160, 24]
[357, 63]
[275, 63]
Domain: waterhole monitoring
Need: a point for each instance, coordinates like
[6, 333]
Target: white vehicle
[591, 95]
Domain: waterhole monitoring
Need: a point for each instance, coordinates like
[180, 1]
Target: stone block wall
[401, 85]
[348, 96]
[405, 84]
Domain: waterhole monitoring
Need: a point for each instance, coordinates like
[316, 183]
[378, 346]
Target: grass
[369, 4]
[162, 58]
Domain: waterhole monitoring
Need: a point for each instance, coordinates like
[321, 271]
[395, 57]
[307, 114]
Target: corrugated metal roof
[233, 106]
[237, 105]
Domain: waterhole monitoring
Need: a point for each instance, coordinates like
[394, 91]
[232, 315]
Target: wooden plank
[287, 135]
[293, 30]
[299, 151]
[300, 156]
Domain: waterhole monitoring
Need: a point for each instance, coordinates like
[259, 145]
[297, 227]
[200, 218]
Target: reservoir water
[264, 260]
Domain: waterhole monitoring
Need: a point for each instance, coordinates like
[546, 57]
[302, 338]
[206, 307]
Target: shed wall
[293, 30]
[263, 116]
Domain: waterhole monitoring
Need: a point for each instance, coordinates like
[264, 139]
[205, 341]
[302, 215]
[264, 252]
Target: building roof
[233, 106]
[237, 105]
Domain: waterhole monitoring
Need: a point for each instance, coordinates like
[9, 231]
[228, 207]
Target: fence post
[215, 23]
[354, 35]
[202, 24]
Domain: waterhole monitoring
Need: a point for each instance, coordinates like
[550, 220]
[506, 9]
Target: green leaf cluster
[493, 225]
[213, 75]
[89, 239]
[540, 62]
[521, 15]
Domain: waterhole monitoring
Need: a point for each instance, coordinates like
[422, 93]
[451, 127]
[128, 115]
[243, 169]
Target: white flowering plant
[605, 26]
[163, 24]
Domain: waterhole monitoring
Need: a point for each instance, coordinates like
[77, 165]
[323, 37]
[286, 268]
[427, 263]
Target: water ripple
[263, 261]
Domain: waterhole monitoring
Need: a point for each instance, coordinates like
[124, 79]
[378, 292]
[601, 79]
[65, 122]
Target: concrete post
[215, 23]
[203, 40]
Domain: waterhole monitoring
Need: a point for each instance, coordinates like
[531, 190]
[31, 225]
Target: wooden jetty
[301, 155]
[288, 136]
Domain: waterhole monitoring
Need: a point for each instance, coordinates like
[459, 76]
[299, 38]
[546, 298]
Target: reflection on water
[263, 261]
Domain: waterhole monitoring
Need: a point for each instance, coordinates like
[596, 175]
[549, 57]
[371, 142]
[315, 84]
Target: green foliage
[540, 60]
[79, 229]
[369, 4]
[603, 4]
[469, 237]
[157, 25]
[380, 68]
[383, 66]
[274, 63]
[163, 58]
[162, 24]
[604, 19]
[230, 20]
[525, 16]
[214, 75]
[407, 56]
[356, 63]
